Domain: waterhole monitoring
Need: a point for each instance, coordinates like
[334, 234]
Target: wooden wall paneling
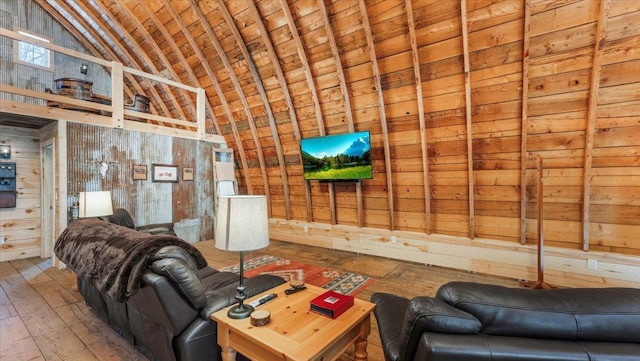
[310, 82]
[598, 53]
[240, 91]
[381, 107]
[148, 62]
[525, 122]
[114, 34]
[469, 136]
[423, 132]
[263, 95]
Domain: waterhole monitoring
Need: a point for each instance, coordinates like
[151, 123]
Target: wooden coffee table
[295, 333]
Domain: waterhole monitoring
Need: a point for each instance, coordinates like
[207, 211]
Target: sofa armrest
[426, 314]
[220, 298]
[159, 228]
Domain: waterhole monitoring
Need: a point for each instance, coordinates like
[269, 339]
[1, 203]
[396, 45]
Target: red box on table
[331, 304]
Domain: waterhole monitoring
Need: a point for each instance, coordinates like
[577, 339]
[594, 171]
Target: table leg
[228, 354]
[361, 349]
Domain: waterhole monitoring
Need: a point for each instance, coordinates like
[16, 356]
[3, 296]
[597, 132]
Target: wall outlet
[2, 240]
[393, 239]
[306, 229]
[592, 263]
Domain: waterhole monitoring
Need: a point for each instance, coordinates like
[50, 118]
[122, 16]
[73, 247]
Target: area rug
[346, 283]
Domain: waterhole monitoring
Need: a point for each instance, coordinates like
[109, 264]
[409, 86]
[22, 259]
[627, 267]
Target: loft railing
[120, 116]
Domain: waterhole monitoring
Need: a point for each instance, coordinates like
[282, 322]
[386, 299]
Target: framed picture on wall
[165, 173]
[187, 174]
[139, 172]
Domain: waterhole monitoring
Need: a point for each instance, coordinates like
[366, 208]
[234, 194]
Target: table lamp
[95, 204]
[241, 225]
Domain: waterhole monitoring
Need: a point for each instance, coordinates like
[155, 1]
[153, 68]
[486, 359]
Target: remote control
[262, 300]
[292, 290]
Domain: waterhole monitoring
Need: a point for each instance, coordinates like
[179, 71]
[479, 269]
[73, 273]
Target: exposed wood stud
[423, 132]
[467, 97]
[525, 122]
[598, 53]
[263, 95]
[383, 116]
[236, 83]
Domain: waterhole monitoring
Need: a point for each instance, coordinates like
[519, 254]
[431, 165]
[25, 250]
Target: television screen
[337, 157]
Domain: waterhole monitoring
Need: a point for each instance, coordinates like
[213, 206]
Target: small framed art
[166, 173]
[139, 172]
[187, 174]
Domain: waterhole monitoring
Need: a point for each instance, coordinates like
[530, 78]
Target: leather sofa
[472, 321]
[168, 317]
[122, 218]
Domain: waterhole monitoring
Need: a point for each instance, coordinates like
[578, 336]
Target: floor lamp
[241, 225]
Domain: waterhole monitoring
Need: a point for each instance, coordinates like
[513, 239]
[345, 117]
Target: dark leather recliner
[471, 321]
[122, 217]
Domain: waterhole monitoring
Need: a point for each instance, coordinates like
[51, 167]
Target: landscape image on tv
[337, 157]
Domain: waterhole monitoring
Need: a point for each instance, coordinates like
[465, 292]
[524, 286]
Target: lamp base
[240, 311]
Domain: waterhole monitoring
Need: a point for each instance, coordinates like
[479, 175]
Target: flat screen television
[339, 157]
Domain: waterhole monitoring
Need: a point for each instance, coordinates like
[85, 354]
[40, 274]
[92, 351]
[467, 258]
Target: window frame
[16, 49]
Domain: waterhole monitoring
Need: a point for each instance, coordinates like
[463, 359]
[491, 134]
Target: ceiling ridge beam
[163, 106]
[411, 23]
[381, 107]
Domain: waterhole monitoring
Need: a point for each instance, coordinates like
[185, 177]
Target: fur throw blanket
[112, 257]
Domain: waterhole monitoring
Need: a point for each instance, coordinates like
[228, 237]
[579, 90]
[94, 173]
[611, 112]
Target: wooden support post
[467, 97]
[540, 196]
[525, 123]
[201, 100]
[117, 94]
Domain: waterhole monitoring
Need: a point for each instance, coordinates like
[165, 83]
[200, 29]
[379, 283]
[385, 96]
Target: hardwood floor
[42, 316]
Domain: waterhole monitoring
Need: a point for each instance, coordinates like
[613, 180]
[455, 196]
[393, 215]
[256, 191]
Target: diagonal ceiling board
[234, 79]
[263, 95]
[411, 23]
[383, 116]
[147, 60]
[156, 98]
[176, 51]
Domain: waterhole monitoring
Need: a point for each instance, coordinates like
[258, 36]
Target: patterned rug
[346, 283]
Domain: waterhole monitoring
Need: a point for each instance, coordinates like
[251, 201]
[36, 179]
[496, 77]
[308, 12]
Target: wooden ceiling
[459, 97]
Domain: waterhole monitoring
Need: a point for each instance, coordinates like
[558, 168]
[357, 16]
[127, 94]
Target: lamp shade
[242, 223]
[95, 204]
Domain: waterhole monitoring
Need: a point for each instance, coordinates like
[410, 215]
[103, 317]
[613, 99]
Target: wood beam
[525, 122]
[467, 97]
[411, 23]
[236, 83]
[149, 64]
[598, 53]
[383, 117]
[303, 57]
[263, 95]
[223, 100]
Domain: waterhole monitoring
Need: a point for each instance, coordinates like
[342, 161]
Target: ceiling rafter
[383, 115]
[176, 51]
[300, 49]
[148, 62]
[339, 70]
[155, 97]
[234, 79]
[258, 81]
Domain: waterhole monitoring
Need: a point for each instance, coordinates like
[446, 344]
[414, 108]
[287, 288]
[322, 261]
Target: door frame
[47, 197]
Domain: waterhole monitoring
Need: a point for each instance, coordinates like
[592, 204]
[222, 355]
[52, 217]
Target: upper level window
[32, 54]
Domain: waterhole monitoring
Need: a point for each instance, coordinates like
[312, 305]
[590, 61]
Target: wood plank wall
[21, 226]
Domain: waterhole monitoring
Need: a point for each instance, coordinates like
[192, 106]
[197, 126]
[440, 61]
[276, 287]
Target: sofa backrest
[586, 314]
[179, 267]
